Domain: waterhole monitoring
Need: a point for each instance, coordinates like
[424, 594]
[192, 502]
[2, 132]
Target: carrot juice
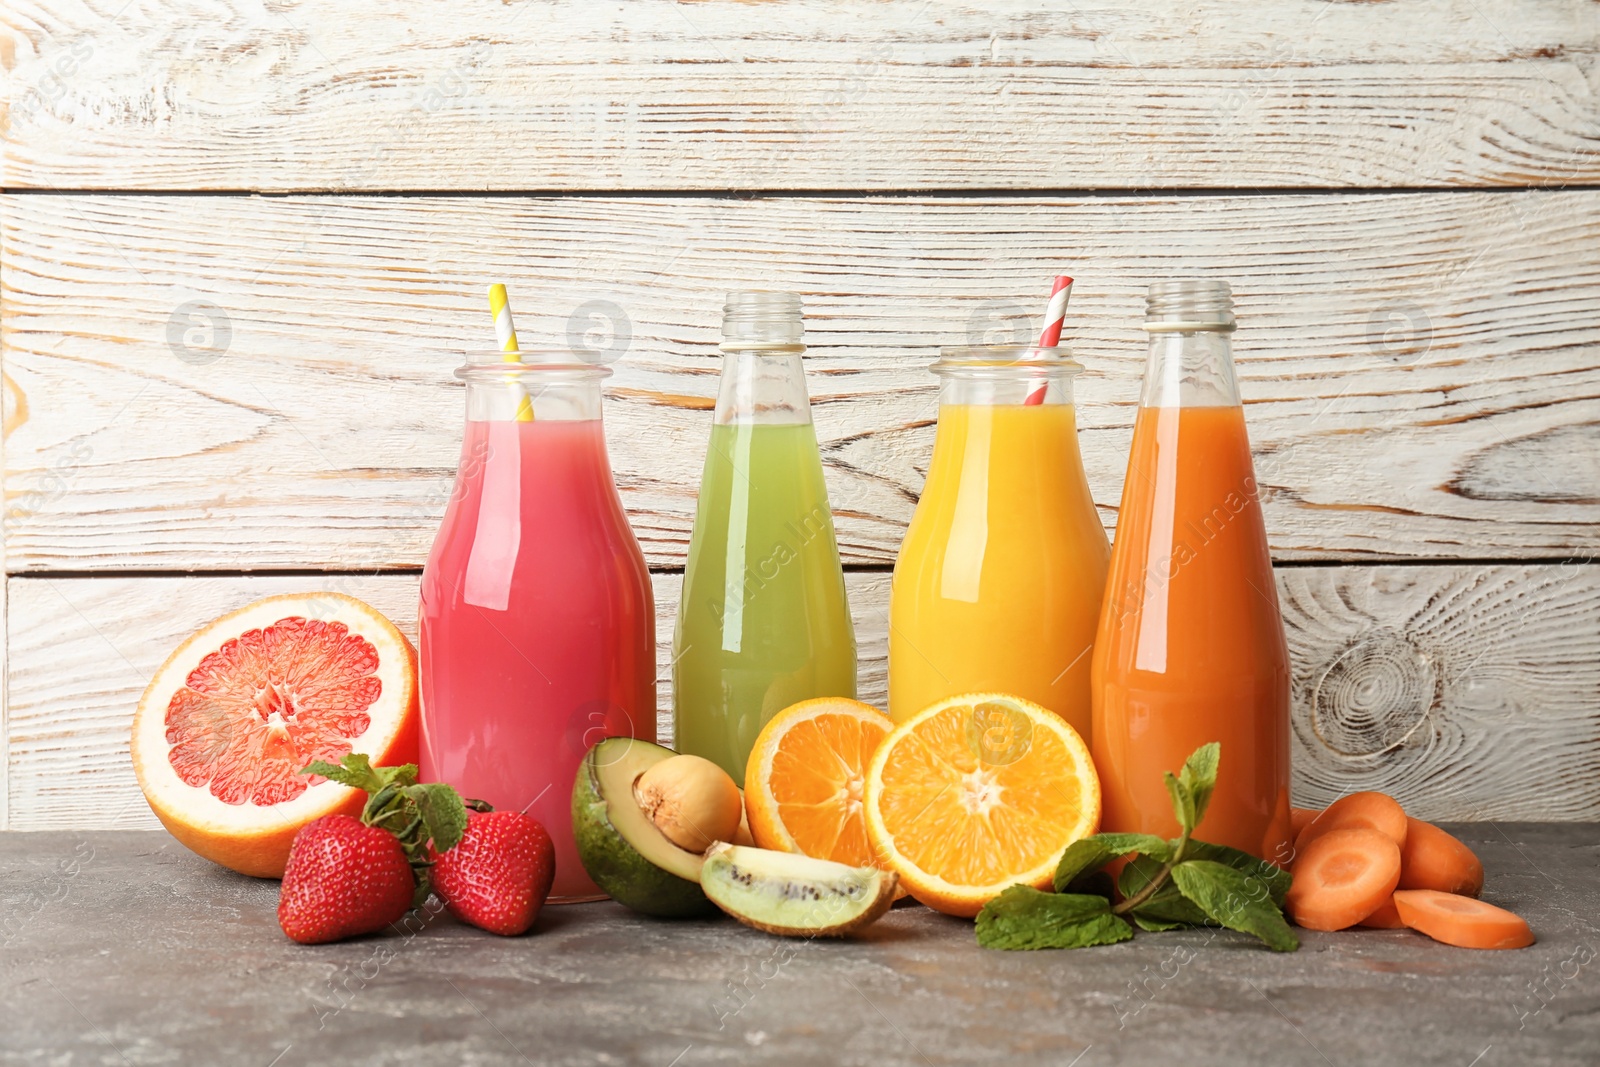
[998, 584]
[1190, 647]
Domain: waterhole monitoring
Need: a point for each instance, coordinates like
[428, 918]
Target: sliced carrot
[1386, 917]
[1432, 859]
[1461, 921]
[1342, 877]
[1368, 811]
[1300, 817]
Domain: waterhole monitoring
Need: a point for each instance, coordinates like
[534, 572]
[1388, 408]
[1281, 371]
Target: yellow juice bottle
[999, 581]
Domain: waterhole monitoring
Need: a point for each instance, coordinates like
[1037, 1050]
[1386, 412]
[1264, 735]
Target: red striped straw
[1055, 313]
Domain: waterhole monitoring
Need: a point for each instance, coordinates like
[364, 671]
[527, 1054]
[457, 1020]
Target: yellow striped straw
[505, 332]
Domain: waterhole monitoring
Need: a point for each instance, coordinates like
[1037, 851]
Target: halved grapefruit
[225, 725]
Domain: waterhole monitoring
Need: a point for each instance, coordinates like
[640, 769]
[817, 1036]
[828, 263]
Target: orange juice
[998, 584]
[1190, 646]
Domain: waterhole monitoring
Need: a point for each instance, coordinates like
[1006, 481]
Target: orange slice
[804, 780]
[977, 793]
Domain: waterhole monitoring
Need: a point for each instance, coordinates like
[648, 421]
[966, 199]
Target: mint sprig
[416, 813]
[1165, 885]
[1025, 917]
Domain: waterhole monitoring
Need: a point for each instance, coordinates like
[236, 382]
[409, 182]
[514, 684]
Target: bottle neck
[1191, 369]
[765, 385]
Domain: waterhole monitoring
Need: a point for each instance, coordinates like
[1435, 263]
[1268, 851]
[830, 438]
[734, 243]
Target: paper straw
[1055, 313]
[505, 332]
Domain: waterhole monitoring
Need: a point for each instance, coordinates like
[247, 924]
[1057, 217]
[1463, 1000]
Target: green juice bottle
[763, 621]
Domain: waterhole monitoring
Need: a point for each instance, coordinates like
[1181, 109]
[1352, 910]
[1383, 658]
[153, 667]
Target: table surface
[123, 948]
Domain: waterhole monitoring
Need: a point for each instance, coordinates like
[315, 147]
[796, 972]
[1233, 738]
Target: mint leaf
[1025, 918]
[444, 816]
[1092, 853]
[1182, 804]
[1199, 777]
[1155, 926]
[1166, 904]
[1230, 898]
[1139, 873]
[1271, 878]
[356, 771]
[1170, 910]
[403, 775]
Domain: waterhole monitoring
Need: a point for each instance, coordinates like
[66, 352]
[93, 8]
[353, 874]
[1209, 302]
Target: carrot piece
[1342, 877]
[1300, 817]
[1432, 859]
[1461, 921]
[1386, 917]
[1370, 811]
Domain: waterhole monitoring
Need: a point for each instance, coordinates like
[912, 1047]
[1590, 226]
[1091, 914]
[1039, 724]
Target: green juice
[763, 622]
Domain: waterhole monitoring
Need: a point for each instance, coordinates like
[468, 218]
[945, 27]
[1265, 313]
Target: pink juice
[537, 625]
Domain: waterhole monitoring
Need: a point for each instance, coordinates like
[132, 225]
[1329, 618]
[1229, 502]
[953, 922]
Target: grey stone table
[123, 948]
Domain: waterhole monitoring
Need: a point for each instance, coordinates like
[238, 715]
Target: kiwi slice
[794, 895]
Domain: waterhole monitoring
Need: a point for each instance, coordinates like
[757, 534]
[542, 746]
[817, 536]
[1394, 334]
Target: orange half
[977, 793]
[804, 781]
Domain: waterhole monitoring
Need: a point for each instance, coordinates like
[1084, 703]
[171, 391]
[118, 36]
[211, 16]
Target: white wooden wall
[1406, 199]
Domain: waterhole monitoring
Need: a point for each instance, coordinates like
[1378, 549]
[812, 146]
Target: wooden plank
[1422, 369]
[1466, 692]
[1470, 692]
[822, 94]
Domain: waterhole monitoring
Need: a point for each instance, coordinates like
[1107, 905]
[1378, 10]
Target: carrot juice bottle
[1190, 647]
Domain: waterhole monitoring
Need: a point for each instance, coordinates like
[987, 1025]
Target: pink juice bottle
[537, 621]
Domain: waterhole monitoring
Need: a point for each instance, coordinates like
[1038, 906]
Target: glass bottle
[1191, 646]
[997, 586]
[763, 622]
[537, 622]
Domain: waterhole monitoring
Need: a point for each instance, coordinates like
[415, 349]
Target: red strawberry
[344, 878]
[499, 874]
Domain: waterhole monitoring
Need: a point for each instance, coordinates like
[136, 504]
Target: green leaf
[1199, 777]
[403, 775]
[356, 771]
[1229, 897]
[443, 813]
[1139, 872]
[1095, 883]
[1155, 926]
[1092, 853]
[1166, 904]
[1182, 804]
[1267, 877]
[1025, 918]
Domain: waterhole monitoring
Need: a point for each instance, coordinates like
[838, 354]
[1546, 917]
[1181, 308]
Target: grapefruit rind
[250, 838]
[964, 900]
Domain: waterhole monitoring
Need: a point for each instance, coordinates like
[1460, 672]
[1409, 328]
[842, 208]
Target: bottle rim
[999, 361]
[491, 364]
[1189, 305]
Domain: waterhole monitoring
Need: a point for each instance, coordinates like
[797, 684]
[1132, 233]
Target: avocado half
[618, 844]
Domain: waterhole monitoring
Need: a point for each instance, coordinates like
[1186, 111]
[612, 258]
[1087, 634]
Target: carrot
[1386, 917]
[1432, 859]
[1342, 877]
[1461, 921]
[1299, 817]
[1370, 811]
